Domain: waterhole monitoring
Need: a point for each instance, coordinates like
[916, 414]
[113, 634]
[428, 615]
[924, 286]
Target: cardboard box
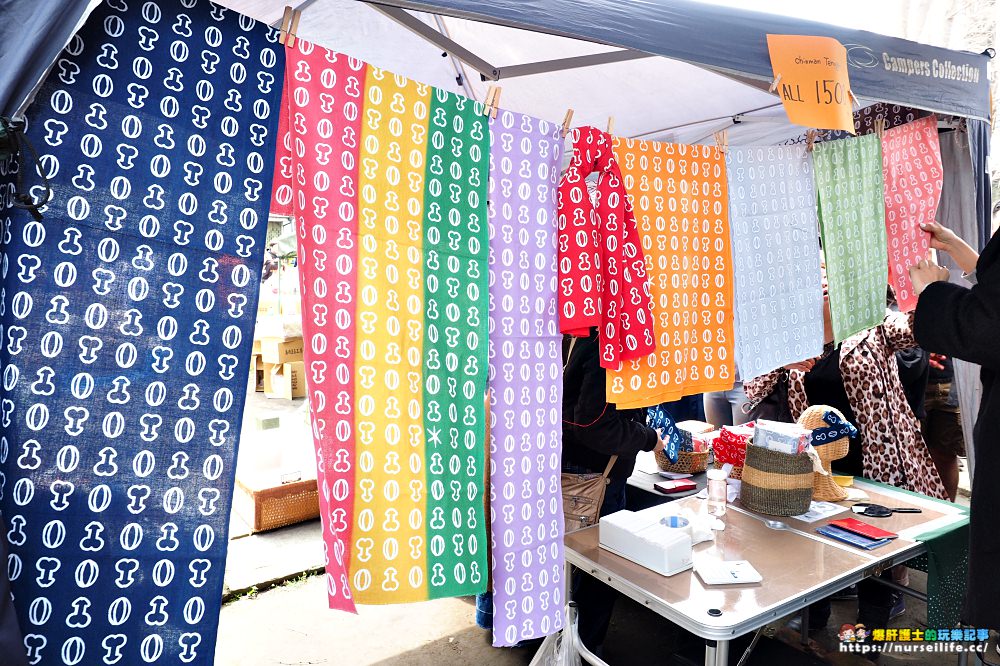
[285, 380]
[255, 351]
[275, 350]
[264, 503]
[257, 372]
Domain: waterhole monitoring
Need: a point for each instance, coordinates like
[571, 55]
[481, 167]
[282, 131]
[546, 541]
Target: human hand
[936, 361]
[660, 443]
[926, 272]
[942, 238]
[946, 240]
[802, 366]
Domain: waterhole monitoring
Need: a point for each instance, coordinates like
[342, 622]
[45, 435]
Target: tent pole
[414, 24]
[559, 64]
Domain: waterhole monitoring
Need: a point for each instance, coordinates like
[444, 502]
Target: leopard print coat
[893, 449]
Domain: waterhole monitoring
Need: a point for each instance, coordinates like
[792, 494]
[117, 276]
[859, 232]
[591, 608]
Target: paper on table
[645, 462]
[675, 475]
[820, 510]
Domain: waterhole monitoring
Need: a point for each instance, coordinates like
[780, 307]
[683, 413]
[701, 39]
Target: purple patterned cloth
[525, 380]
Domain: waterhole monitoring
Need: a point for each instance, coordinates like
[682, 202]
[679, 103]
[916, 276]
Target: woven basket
[825, 489]
[688, 462]
[266, 509]
[735, 473]
[775, 483]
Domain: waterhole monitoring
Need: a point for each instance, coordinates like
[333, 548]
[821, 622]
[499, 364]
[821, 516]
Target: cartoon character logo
[860, 633]
[847, 633]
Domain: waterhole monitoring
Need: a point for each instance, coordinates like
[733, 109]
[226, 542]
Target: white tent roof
[652, 97]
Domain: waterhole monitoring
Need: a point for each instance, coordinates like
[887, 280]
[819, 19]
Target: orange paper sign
[814, 85]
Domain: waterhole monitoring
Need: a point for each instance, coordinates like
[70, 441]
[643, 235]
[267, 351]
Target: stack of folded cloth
[790, 438]
[731, 445]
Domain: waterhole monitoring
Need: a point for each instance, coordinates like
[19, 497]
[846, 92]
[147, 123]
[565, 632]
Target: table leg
[722, 653]
[804, 630]
[711, 650]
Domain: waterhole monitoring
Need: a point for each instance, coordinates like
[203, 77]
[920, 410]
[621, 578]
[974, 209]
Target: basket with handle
[827, 422]
[688, 462]
[735, 473]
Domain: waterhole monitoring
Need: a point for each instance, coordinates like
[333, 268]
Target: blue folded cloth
[660, 420]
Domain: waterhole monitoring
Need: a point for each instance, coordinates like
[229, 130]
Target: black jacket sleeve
[961, 322]
[596, 423]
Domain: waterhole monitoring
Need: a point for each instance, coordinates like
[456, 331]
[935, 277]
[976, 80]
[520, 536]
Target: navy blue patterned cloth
[127, 318]
[659, 419]
[838, 428]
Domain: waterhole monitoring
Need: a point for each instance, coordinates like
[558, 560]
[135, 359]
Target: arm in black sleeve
[597, 424]
[960, 322]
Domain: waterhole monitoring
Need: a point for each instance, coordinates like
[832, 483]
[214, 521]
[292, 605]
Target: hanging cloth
[602, 269]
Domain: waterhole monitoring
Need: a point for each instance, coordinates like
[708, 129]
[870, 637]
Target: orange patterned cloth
[681, 208]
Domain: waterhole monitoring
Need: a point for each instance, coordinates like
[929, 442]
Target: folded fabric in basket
[789, 438]
[704, 441]
[731, 445]
[688, 430]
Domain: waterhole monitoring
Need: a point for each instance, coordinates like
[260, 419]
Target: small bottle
[717, 492]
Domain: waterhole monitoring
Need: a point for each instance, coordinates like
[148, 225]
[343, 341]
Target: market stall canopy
[552, 54]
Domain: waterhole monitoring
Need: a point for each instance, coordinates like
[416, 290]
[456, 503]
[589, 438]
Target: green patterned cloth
[456, 302]
[849, 182]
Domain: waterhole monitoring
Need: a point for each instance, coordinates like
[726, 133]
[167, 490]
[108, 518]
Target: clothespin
[811, 136]
[854, 100]
[611, 124]
[566, 122]
[286, 22]
[722, 140]
[880, 127]
[492, 101]
[293, 30]
[774, 84]
[289, 26]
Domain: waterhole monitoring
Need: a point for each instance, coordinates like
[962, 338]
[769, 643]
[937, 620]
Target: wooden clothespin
[880, 127]
[289, 26]
[722, 140]
[811, 136]
[566, 122]
[492, 101]
[611, 124]
[774, 84]
[286, 23]
[294, 29]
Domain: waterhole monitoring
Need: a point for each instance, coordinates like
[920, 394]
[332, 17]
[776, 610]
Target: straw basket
[825, 488]
[688, 462]
[776, 483]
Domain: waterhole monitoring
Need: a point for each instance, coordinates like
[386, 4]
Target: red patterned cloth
[602, 269]
[911, 167]
[731, 444]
